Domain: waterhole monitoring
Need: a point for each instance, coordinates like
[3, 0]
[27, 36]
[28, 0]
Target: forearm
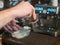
[5, 17]
[21, 10]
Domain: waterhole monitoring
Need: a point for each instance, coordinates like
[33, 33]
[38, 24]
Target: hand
[24, 9]
[12, 26]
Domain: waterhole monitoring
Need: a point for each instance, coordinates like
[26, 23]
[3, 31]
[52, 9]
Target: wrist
[18, 12]
[11, 10]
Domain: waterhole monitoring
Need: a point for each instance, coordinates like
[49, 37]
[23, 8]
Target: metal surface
[48, 20]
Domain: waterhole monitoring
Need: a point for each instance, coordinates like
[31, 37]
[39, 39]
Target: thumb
[34, 15]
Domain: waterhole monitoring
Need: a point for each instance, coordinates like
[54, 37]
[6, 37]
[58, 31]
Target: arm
[5, 17]
[21, 10]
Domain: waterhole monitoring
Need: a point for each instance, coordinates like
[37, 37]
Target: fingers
[32, 12]
[17, 27]
[7, 29]
[14, 21]
[12, 27]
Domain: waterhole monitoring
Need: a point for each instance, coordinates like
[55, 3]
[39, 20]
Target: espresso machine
[48, 19]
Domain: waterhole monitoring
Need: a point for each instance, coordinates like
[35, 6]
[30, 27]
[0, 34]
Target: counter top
[34, 39]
